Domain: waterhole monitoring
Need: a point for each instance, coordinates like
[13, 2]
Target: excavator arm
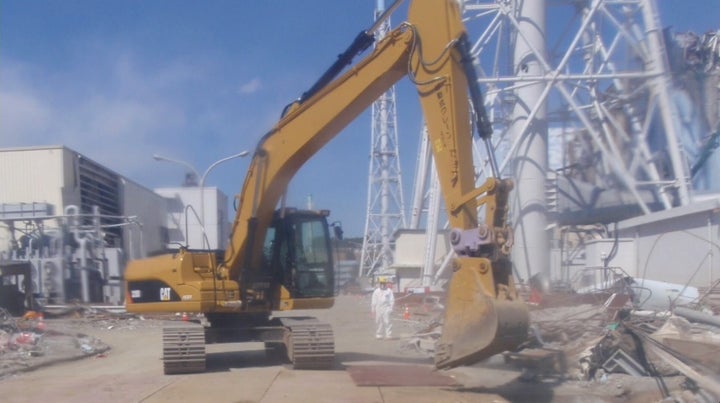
[483, 313]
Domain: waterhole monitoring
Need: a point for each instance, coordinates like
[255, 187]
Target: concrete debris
[576, 341]
[693, 342]
[40, 338]
[108, 318]
[27, 343]
[637, 343]
[423, 343]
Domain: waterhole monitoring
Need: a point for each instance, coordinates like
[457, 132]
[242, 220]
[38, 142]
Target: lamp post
[202, 177]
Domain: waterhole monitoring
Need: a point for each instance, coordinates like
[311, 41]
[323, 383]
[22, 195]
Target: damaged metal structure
[69, 261]
[624, 121]
[673, 243]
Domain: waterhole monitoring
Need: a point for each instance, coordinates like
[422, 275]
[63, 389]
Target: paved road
[132, 371]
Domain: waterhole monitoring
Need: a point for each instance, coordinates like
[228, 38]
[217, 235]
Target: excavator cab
[297, 255]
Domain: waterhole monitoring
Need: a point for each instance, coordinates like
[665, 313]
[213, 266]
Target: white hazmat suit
[383, 302]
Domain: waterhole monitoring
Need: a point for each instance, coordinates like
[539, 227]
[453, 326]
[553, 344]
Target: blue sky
[200, 80]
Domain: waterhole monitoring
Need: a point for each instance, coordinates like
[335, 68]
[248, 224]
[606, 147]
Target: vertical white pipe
[528, 207]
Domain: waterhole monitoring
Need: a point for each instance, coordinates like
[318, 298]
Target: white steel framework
[601, 88]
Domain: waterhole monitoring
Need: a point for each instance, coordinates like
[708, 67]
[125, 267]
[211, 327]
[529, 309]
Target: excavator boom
[484, 314]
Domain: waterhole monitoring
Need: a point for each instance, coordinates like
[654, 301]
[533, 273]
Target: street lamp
[202, 181]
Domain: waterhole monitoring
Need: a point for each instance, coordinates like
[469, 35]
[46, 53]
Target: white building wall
[410, 248]
[183, 217]
[409, 259]
[679, 246]
[597, 250]
[149, 234]
[33, 175]
[216, 217]
[37, 175]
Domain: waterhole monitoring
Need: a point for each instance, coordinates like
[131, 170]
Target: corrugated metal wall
[32, 175]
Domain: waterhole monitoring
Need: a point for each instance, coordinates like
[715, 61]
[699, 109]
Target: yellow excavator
[279, 259]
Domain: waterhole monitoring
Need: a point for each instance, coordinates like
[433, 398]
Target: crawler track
[311, 345]
[183, 349]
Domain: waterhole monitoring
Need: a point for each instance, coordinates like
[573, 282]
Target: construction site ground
[103, 358]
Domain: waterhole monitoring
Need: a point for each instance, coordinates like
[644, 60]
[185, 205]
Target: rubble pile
[102, 318]
[423, 316]
[27, 343]
[21, 335]
[598, 341]
[590, 343]
[572, 330]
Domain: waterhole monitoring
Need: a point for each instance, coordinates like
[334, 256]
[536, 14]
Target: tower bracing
[385, 203]
[586, 115]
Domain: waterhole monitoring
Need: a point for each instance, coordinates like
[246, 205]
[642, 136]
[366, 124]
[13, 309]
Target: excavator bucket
[483, 317]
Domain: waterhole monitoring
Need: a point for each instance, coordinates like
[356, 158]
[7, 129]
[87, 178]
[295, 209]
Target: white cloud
[23, 118]
[119, 109]
[251, 86]
[113, 122]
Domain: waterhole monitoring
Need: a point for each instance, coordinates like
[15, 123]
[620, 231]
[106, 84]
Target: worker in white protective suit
[383, 302]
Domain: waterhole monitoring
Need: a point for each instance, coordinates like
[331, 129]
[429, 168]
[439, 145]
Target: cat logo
[165, 294]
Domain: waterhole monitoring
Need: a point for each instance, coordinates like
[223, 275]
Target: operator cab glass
[297, 248]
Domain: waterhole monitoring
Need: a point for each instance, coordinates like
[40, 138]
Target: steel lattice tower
[385, 203]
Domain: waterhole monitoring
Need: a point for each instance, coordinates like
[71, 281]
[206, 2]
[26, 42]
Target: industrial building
[76, 221]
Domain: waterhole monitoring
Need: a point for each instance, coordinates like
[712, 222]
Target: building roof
[79, 154]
